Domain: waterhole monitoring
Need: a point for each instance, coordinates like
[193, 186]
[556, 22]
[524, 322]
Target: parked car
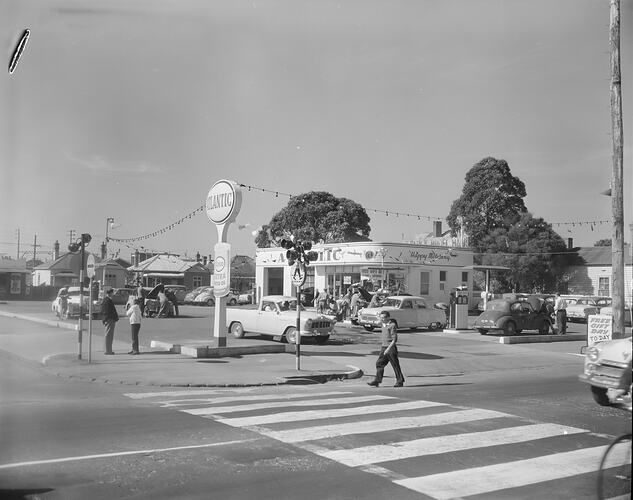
[605, 363]
[245, 298]
[513, 316]
[307, 296]
[276, 316]
[608, 310]
[580, 311]
[73, 308]
[205, 298]
[190, 297]
[120, 296]
[406, 310]
[152, 303]
[180, 291]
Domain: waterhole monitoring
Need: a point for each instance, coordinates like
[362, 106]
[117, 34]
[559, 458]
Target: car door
[406, 316]
[421, 312]
[268, 319]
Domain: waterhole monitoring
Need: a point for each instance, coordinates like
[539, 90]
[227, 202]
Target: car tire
[232, 302]
[237, 330]
[510, 328]
[210, 302]
[290, 335]
[483, 331]
[600, 395]
[369, 328]
[322, 339]
[544, 328]
[435, 326]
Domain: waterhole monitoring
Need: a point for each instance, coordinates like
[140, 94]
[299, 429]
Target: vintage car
[608, 310]
[582, 308]
[205, 298]
[245, 298]
[180, 291]
[605, 363]
[514, 316]
[276, 316]
[190, 297]
[72, 303]
[120, 296]
[406, 310]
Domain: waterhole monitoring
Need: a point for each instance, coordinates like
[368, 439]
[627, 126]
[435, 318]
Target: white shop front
[424, 270]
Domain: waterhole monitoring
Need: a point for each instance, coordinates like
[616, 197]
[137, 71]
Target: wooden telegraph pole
[617, 204]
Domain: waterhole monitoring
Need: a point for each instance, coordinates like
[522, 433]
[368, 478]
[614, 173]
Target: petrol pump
[459, 309]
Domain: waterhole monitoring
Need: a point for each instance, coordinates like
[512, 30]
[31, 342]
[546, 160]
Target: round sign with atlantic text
[223, 202]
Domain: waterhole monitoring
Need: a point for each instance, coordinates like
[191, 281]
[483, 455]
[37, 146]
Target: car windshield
[498, 305]
[586, 302]
[392, 302]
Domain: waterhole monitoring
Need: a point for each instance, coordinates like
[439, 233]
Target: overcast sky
[133, 109]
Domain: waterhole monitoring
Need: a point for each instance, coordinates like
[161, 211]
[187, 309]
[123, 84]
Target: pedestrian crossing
[439, 450]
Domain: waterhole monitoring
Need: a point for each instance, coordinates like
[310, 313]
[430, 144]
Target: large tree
[491, 198]
[536, 255]
[319, 217]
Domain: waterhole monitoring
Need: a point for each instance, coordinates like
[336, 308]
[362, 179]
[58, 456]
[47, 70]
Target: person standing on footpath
[110, 317]
[134, 312]
[388, 352]
[560, 309]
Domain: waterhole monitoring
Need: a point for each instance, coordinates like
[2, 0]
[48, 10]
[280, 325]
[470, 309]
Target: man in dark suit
[110, 317]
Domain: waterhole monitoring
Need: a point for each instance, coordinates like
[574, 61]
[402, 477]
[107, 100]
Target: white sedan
[407, 311]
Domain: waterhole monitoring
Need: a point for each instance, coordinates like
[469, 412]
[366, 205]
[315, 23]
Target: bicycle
[614, 475]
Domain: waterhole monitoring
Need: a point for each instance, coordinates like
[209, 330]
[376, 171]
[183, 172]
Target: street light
[80, 246]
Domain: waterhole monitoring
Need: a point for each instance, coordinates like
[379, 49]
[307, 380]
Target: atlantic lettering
[222, 200]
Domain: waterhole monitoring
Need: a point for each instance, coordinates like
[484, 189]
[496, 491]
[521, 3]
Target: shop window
[603, 287]
[425, 283]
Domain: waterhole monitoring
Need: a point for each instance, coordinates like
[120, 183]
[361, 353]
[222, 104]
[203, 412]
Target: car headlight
[593, 354]
[590, 368]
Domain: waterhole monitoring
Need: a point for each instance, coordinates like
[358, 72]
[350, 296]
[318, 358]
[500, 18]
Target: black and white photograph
[316, 250]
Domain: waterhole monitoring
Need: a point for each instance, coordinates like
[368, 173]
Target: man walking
[110, 317]
[560, 309]
[388, 352]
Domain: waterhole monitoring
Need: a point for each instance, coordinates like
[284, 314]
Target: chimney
[204, 260]
[570, 243]
[136, 258]
[103, 251]
[56, 250]
[437, 228]
[197, 256]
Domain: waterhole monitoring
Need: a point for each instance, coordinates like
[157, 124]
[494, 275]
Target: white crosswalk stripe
[379, 434]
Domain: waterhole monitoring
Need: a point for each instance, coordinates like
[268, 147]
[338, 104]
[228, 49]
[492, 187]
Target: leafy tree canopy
[606, 242]
[491, 198]
[536, 255]
[319, 217]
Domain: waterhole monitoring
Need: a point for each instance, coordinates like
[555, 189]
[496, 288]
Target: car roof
[277, 298]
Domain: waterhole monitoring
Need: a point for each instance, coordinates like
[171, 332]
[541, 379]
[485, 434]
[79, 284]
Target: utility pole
[35, 245]
[17, 233]
[617, 203]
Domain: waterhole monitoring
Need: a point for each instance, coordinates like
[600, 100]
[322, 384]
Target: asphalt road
[65, 439]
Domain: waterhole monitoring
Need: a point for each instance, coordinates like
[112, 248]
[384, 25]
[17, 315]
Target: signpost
[298, 278]
[224, 201]
[90, 271]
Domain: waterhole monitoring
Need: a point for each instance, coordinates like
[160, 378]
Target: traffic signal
[80, 243]
[296, 251]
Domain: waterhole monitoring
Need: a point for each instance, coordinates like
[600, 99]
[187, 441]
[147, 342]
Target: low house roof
[13, 266]
[602, 256]
[167, 264]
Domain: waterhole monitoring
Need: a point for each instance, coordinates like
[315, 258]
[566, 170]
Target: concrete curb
[55, 323]
[536, 339]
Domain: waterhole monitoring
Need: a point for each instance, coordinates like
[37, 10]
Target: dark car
[514, 316]
[307, 296]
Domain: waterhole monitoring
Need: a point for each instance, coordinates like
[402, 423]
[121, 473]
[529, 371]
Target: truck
[276, 317]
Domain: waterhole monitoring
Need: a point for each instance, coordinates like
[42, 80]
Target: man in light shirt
[560, 309]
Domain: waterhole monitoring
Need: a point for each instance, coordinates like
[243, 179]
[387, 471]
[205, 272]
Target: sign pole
[223, 203]
[298, 336]
[90, 270]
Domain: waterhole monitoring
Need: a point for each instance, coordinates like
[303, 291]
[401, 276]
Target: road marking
[381, 425]
[214, 410]
[144, 395]
[480, 480]
[228, 399]
[295, 416]
[121, 454]
[446, 444]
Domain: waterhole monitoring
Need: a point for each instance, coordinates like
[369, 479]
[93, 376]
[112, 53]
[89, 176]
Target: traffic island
[533, 339]
[220, 352]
